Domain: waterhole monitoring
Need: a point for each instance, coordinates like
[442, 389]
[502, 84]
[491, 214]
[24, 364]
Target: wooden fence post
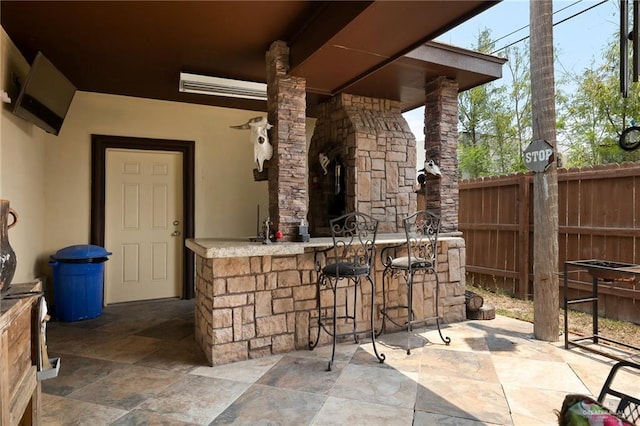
[524, 232]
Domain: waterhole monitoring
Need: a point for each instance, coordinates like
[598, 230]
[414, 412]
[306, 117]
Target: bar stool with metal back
[347, 264]
[421, 231]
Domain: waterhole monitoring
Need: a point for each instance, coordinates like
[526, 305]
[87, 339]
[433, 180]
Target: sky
[579, 41]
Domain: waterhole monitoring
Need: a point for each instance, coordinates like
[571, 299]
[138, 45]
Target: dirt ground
[579, 323]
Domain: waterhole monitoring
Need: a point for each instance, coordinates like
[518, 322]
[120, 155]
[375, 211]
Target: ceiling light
[205, 85]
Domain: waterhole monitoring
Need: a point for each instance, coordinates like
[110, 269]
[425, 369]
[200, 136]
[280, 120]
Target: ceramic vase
[8, 219]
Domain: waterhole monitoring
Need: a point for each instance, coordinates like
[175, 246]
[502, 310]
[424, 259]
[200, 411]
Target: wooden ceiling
[139, 48]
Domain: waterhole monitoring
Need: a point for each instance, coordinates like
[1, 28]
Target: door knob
[175, 233]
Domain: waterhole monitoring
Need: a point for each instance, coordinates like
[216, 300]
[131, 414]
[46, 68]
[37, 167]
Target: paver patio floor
[139, 364]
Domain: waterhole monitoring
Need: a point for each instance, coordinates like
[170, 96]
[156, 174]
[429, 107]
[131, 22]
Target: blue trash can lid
[81, 251]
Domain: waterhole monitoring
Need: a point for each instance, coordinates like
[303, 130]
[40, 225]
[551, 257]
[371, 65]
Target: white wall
[226, 194]
[47, 178]
[22, 164]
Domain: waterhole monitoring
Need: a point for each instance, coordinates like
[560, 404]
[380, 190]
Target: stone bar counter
[255, 299]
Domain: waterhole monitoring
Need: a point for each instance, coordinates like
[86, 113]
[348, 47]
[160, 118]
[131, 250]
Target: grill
[600, 270]
[609, 271]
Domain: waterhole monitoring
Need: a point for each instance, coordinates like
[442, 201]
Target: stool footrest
[405, 323]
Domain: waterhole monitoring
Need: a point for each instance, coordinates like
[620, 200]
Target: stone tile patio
[139, 364]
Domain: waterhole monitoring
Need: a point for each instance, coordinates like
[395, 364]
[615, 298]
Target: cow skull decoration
[431, 167]
[262, 149]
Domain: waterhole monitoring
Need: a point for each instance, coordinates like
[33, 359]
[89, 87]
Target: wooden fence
[598, 218]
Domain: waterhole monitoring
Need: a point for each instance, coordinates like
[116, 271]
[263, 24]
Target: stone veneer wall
[249, 307]
[441, 143]
[378, 151]
[287, 170]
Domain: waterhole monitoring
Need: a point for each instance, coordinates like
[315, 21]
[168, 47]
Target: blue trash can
[78, 281]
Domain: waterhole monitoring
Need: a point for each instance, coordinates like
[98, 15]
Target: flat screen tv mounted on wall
[45, 96]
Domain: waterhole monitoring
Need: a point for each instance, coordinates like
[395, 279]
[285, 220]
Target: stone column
[286, 106]
[441, 142]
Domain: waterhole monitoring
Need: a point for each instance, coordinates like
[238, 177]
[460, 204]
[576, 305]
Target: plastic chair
[348, 263]
[421, 257]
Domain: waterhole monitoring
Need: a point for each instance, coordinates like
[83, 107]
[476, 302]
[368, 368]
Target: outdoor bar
[255, 299]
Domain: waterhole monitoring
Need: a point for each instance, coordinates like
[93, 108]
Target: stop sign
[538, 155]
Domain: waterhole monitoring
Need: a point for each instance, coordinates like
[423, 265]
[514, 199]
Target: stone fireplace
[370, 163]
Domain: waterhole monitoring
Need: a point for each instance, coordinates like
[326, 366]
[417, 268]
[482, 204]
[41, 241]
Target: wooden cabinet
[19, 336]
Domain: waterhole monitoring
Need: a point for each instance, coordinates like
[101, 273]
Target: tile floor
[138, 364]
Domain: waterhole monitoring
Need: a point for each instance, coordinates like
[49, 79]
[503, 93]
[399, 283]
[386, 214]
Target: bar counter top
[214, 248]
[254, 299]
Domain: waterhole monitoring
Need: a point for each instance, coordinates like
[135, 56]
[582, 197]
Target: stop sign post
[538, 156]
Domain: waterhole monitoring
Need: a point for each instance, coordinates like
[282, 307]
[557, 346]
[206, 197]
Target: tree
[474, 160]
[495, 118]
[596, 114]
[545, 185]
[474, 122]
[520, 97]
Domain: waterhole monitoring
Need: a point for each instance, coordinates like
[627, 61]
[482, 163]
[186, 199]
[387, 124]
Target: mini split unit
[216, 86]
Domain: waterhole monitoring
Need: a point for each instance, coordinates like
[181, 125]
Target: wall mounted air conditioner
[205, 85]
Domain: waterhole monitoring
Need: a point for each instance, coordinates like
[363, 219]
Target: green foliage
[596, 114]
[495, 119]
[473, 161]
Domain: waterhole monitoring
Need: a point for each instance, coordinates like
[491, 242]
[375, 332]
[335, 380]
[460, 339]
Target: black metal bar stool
[348, 262]
[421, 231]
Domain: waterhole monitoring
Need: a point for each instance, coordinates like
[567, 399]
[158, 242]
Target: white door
[143, 225]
